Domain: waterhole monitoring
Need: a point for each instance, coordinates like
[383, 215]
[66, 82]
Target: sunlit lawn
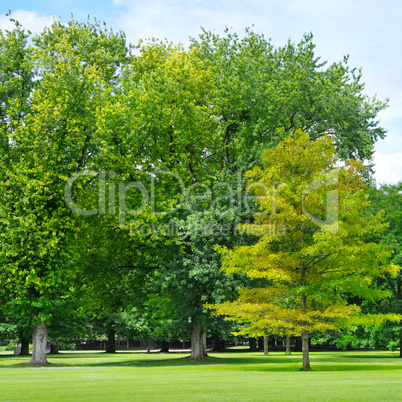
[342, 376]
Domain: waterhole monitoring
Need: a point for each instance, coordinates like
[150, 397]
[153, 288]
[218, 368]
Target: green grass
[335, 376]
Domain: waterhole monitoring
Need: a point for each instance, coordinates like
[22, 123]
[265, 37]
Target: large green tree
[169, 94]
[388, 199]
[72, 66]
[263, 94]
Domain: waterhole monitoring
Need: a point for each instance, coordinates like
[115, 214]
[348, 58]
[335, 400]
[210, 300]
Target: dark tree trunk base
[253, 344]
[298, 347]
[164, 347]
[54, 349]
[219, 345]
[260, 342]
[111, 343]
[24, 346]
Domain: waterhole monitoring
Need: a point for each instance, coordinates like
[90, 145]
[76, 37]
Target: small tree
[315, 248]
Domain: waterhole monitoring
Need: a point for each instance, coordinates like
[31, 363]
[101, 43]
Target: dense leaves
[309, 267]
[120, 173]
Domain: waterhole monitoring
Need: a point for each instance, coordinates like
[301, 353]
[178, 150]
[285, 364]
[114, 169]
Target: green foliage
[10, 346]
[51, 138]
[386, 199]
[75, 101]
[264, 94]
[307, 272]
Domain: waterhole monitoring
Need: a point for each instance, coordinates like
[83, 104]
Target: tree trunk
[148, 344]
[111, 341]
[219, 344]
[54, 349]
[164, 347]
[298, 347]
[304, 334]
[253, 344]
[288, 345]
[39, 344]
[306, 357]
[400, 339]
[265, 345]
[24, 345]
[198, 341]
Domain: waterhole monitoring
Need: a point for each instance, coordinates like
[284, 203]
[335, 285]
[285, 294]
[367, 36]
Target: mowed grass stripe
[360, 376]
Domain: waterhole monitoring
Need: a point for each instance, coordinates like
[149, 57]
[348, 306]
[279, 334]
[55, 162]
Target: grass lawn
[125, 376]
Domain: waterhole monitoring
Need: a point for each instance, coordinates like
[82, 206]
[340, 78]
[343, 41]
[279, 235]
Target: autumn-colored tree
[315, 248]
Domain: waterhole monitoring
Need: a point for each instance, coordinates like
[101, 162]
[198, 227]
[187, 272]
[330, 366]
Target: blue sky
[369, 31]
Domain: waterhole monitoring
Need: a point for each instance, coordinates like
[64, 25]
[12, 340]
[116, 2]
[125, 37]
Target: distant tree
[388, 200]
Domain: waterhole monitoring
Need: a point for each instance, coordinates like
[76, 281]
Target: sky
[369, 31]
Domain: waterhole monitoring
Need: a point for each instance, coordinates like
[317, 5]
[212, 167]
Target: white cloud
[388, 168]
[30, 20]
[177, 20]
[119, 3]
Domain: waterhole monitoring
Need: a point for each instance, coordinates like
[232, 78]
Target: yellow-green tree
[315, 256]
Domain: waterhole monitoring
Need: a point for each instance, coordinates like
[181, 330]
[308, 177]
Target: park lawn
[341, 376]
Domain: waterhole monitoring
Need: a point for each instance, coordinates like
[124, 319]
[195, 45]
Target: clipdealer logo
[113, 196]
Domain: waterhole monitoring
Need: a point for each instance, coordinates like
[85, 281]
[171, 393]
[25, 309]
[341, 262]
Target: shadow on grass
[334, 361]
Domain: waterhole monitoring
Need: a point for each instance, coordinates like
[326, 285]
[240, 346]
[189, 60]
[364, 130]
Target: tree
[193, 277]
[263, 94]
[388, 199]
[169, 93]
[53, 137]
[114, 270]
[315, 249]
[255, 95]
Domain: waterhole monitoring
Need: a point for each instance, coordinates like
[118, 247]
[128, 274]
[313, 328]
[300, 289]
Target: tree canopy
[316, 248]
[120, 171]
